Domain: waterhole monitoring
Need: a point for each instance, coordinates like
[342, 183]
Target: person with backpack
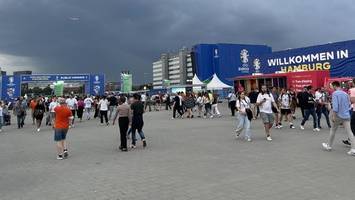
[245, 116]
[285, 100]
[19, 111]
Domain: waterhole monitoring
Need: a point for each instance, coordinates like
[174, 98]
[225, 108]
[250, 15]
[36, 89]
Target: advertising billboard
[338, 58]
[226, 60]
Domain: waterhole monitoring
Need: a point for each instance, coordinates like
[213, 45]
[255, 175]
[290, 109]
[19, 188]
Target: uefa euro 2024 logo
[244, 54]
[257, 64]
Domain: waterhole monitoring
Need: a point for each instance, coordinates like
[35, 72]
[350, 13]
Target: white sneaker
[301, 127]
[326, 147]
[38, 130]
[211, 116]
[249, 140]
[280, 126]
[268, 138]
[316, 129]
[351, 152]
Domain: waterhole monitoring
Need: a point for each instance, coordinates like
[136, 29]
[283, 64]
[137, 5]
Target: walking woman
[207, 103]
[81, 106]
[200, 104]
[124, 119]
[39, 113]
[189, 104]
[103, 106]
[243, 106]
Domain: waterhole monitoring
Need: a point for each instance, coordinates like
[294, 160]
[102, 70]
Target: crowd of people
[61, 114]
[274, 106]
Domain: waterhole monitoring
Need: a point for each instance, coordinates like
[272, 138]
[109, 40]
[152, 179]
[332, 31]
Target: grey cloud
[109, 35]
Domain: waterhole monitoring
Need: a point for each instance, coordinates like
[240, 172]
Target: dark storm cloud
[72, 36]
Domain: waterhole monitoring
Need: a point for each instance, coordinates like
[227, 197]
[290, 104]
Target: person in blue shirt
[341, 115]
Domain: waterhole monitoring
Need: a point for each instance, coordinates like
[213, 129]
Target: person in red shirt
[33, 105]
[63, 118]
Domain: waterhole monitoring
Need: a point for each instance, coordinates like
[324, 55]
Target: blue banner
[225, 60]
[97, 84]
[338, 57]
[59, 77]
[11, 87]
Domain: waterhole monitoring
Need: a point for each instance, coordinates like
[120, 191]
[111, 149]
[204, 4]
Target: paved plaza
[185, 159]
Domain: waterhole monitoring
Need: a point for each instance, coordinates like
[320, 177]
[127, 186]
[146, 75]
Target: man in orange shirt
[63, 118]
[33, 104]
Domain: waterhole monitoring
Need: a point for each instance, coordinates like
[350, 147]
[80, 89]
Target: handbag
[249, 113]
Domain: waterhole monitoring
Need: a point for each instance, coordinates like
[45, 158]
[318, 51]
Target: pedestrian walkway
[185, 159]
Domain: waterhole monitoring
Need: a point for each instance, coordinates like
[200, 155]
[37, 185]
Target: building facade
[173, 69]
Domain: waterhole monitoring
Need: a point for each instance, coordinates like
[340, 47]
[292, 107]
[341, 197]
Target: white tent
[196, 81]
[197, 84]
[217, 84]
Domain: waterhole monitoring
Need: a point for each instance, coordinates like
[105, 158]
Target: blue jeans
[325, 112]
[244, 124]
[307, 113]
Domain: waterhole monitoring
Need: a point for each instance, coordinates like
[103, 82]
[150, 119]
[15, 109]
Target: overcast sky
[89, 36]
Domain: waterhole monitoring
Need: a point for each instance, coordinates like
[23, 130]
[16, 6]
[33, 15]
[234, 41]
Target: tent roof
[216, 83]
[196, 81]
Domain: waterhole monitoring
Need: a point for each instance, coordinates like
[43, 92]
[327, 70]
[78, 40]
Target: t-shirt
[285, 100]
[88, 102]
[243, 104]
[62, 115]
[72, 103]
[352, 94]
[309, 100]
[113, 101]
[231, 97]
[137, 108]
[1, 114]
[265, 107]
[52, 105]
[103, 104]
[33, 104]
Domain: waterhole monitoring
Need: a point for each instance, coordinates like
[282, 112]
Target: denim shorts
[60, 134]
[267, 118]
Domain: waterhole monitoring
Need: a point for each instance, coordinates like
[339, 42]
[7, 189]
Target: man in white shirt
[72, 103]
[52, 105]
[88, 106]
[265, 101]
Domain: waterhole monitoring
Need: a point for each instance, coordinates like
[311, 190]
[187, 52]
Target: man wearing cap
[63, 118]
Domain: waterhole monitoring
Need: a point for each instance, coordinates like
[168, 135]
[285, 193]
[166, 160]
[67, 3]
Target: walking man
[232, 99]
[341, 115]
[137, 108]
[265, 102]
[72, 103]
[309, 109]
[63, 118]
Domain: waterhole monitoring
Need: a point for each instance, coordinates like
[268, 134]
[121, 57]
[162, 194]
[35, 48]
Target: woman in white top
[242, 104]
[88, 105]
[103, 106]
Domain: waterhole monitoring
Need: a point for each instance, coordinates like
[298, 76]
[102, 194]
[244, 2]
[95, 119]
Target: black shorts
[285, 111]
